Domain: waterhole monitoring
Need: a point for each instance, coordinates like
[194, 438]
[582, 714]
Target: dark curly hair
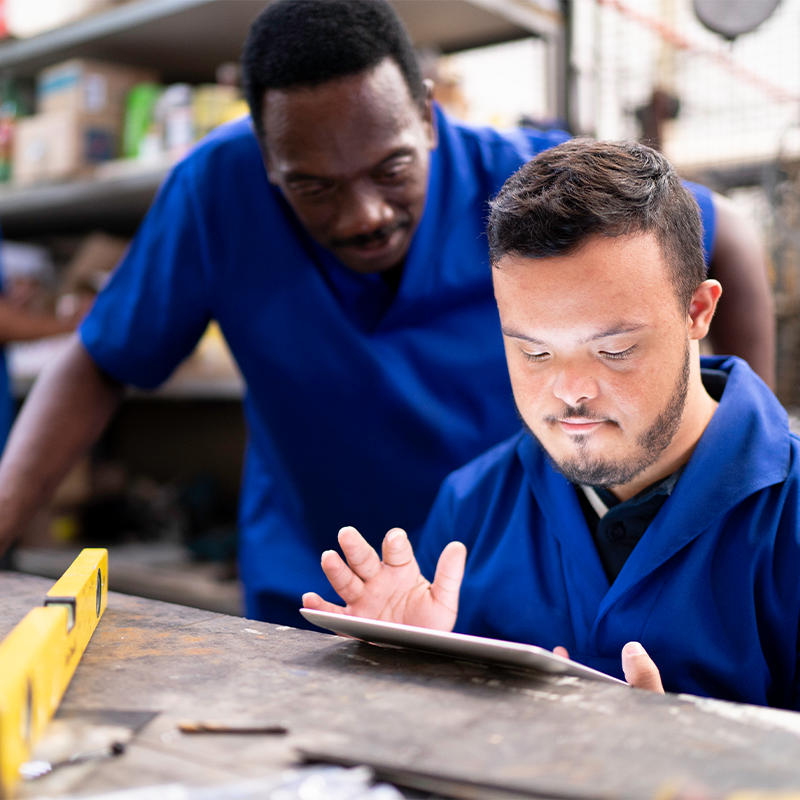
[307, 42]
[585, 188]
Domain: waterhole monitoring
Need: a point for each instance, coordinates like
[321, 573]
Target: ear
[428, 117]
[702, 307]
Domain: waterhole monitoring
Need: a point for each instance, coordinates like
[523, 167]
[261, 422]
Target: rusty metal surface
[562, 737]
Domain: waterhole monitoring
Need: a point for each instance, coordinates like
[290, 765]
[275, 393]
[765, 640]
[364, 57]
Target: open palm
[392, 589]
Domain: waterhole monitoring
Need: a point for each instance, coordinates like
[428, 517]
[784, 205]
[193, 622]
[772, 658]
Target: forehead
[341, 123]
[606, 281]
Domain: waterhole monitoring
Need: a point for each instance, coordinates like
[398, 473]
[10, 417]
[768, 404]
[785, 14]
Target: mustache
[579, 412]
[373, 237]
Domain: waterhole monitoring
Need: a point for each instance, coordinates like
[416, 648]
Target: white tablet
[470, 648]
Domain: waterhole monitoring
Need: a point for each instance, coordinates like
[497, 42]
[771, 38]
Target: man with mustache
[652, 503]
[338, 241]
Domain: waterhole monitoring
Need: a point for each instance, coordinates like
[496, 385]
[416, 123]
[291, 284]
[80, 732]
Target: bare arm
[744, 324]
[19, 325]
[67, 409]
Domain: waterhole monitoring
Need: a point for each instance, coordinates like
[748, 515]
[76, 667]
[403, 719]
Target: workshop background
[98, 98]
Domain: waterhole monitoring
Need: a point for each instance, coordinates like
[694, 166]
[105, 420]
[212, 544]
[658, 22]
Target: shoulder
[497, 153]
[493, 473]
[704, 198]
[476, 497]
[222, 177]
[793, 478]
[232, 146]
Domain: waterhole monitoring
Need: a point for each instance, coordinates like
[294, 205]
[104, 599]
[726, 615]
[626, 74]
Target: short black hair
[583, 188]
[297, 43]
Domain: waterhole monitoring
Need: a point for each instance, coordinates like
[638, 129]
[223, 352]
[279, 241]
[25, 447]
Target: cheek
[642, 395]
[316, 218]
[410, 196]
[530, 386]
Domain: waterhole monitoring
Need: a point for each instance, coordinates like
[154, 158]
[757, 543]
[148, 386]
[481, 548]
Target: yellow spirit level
[39, 657]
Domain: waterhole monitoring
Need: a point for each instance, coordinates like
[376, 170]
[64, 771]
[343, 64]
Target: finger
[449, 574]
[397, 550]
[561, 651]
[360, 555]
[639, 669]
[313, 600]
[343, 580]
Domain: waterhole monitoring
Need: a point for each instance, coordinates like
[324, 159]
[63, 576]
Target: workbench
[428, 719]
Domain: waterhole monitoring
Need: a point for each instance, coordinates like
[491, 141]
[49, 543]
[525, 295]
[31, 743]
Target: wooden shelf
[187, 39]
[115, 201]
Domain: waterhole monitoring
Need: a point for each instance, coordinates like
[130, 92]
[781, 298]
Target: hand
[639, 669]
[393, 589]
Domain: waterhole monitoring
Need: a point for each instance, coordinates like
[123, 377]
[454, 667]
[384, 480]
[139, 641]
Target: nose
[363, 209]
[574, 385]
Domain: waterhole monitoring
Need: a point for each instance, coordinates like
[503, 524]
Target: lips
[377, 244]
[375, 240]
[579, 426]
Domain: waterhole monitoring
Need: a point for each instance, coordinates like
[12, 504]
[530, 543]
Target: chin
[368, 266]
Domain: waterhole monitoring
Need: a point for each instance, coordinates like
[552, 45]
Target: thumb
[449, 574]
[639, 669]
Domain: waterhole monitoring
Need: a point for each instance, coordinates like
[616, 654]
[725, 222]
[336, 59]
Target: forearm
[67, 409]
[744, 324]
[19, 325]
[749, 337]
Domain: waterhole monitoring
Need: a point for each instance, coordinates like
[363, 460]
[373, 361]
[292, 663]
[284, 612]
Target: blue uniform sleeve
[156, 305]
[704, 198]
[437, 532]
[529, 141]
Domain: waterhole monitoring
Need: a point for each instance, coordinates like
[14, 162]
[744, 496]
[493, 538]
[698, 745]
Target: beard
[605, 473]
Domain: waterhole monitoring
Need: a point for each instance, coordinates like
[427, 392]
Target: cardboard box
[62, 144]
[89, 87]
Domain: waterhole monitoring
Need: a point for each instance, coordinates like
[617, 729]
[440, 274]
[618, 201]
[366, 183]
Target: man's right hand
[393, 589]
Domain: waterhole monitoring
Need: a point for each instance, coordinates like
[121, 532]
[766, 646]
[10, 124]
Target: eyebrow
[617, 330]
[401, 152]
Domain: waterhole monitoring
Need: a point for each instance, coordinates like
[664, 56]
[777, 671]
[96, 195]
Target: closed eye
[535, 356]
[621, 355]
[395, 170]
[311, 188]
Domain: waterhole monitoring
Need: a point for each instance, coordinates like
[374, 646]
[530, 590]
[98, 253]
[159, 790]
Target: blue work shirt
[7, 405]
[712, 589]
[354, 417]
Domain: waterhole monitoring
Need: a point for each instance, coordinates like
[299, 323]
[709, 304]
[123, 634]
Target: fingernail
[634, 649]
[393, 535]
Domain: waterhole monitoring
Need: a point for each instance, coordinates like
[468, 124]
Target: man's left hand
[640, 671]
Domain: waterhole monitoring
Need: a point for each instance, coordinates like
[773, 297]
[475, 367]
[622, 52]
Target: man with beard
[337, 238]
[652, 503]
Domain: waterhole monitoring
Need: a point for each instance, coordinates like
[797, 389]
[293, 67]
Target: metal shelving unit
[185, 40]
[194, 418]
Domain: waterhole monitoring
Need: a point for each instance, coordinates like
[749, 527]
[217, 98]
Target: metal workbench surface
[466, 726]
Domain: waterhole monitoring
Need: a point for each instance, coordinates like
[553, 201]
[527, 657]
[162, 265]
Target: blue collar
[745, 448]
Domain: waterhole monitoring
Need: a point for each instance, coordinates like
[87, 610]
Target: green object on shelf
[12, 105]
[139, 116]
